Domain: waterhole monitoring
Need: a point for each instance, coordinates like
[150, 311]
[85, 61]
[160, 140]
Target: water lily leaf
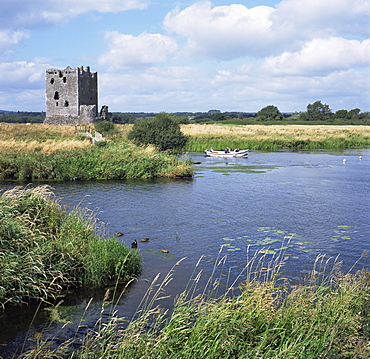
[268, 251]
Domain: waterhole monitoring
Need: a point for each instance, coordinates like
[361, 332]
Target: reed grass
[45, 249]
[259, 137]
[327, 316]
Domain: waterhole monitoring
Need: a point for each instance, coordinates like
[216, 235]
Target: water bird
[360, 157]
[134, 244]
[344, 160]
[165, 250]
[145, 239]
[118, 234]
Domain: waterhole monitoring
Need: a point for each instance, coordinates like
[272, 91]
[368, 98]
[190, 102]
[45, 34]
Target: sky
[158, 55]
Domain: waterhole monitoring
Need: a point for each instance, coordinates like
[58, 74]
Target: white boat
[227, 154]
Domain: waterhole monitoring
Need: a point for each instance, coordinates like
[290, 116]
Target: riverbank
[328, 316]
[61, 153]
[275, 137]
[45, 250]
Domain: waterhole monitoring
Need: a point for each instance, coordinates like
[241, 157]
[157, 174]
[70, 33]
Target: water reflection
[300, 204]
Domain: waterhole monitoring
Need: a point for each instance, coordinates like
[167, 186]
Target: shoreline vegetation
[46, 250]
[276, 137]
[39, 152]
[327, 316]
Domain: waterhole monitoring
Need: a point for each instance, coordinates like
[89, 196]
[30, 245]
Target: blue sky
[158, 55]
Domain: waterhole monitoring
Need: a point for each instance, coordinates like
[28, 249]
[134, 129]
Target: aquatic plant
[326, 316]
[44, 249]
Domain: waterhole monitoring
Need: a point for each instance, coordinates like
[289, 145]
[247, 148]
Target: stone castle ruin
[71, 96]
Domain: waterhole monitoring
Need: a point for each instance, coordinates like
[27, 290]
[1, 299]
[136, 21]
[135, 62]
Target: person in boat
[236, 150]
[211, 149]
[227, 150]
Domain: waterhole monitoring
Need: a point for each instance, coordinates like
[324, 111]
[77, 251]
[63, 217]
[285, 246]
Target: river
[305, 203]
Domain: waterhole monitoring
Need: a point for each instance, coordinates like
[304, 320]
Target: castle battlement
[71, 96]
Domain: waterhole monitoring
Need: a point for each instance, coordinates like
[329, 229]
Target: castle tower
[71, 96]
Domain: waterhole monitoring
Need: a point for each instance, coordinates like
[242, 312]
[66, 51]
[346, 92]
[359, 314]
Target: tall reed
[328, 316]
[44, 249]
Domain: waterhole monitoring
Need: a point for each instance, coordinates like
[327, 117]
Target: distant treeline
[317, 113]
[22, 117]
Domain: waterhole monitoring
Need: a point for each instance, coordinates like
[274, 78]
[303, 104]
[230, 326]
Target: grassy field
[259, 137]
[47, 152]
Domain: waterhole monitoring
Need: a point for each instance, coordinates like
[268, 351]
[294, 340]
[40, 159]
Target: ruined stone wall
[71, 96]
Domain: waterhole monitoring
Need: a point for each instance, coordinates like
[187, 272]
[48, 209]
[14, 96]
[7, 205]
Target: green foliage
[317, 111]
[95, 162]
[327, 316]
[43, 250]
[219, 117]
[162, 131]
[105, 127]
[269, 113]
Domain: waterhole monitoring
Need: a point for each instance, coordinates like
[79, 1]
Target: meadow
[275, 137]
[45, 152]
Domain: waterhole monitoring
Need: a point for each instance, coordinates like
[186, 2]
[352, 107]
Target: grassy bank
[47, 152]
[259, 137]
[45, 250]
[326, 317]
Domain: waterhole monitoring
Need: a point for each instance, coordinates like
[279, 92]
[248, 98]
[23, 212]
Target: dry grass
[303, 132]
[47, 147]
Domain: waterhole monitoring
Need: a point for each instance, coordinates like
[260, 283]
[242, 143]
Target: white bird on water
[360, 157]
[344, 160]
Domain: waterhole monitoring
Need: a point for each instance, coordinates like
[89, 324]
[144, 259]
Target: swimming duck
[118, 234]
[165, 250]
[145, 239]
[134, 244]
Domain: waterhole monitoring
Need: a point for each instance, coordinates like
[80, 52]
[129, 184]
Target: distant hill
[3, 111]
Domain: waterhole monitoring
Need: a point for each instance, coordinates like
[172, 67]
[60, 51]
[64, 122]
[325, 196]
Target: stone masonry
[71, 96]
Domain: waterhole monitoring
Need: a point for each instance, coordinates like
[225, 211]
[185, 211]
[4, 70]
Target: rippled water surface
[307, 203]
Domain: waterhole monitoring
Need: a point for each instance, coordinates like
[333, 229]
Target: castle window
[66, 103]
[64, 79]
[52, 81]
[56, 95]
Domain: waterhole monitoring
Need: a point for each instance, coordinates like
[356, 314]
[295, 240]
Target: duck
[145, 239]
[344, 160]
[360, 157]
[165, 250]
[134, 244]
[118, 234]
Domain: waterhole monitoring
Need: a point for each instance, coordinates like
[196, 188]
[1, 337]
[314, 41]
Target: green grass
[93, 163]
[328, 316]
[45, 250]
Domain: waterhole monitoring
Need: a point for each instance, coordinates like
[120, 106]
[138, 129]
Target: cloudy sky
[158, 55]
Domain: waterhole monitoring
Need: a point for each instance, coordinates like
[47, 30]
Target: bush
[105, 127]
[162, 131]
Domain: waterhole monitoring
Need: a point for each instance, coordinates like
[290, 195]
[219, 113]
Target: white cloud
[8, 38]
[315, 17]
[39, 13]
[227, 32]
[145, 49]
[22, 75]
[223, 31]
[321, 56]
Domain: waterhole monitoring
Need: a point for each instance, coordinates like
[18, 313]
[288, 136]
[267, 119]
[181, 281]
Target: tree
[161, 131]
[219, 117]
[269, 113]
[318, 111]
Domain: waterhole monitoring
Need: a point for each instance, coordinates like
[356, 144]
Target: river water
[303, 204]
